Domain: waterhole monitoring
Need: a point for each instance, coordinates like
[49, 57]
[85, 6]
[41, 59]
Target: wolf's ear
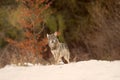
[55, 33]
[47, 35]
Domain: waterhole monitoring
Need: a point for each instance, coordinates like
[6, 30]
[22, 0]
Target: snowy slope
[84, 70]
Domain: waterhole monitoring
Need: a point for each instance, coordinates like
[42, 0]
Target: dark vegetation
[91, 29]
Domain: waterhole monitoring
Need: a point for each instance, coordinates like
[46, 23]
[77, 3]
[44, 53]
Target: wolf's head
[53, 40]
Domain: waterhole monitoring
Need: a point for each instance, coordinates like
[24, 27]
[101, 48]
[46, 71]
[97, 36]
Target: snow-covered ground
[84, 70]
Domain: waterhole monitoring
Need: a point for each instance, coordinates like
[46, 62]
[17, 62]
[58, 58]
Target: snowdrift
[84, 70]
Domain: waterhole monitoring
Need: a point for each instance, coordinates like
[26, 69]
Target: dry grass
[12, 55]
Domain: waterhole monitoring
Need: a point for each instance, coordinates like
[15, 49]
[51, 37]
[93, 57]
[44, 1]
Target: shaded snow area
[83, 70]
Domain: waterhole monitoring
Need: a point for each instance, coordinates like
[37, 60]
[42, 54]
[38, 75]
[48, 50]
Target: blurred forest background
[91, 29]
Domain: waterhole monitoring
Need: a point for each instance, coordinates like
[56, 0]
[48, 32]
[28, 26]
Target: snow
[83, 70]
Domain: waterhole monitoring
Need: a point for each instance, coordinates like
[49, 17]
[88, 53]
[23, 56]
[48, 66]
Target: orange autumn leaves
[29, 46]
[31, 17]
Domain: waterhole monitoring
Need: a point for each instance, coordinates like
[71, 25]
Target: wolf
[58, 49]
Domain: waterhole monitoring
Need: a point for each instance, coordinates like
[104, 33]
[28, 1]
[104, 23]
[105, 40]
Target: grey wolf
[58, 49]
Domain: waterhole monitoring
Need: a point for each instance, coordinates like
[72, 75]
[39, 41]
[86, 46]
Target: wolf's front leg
[58, 58]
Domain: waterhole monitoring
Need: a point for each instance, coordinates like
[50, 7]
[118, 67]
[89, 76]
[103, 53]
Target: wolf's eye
[55, 40]
[52, 41]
